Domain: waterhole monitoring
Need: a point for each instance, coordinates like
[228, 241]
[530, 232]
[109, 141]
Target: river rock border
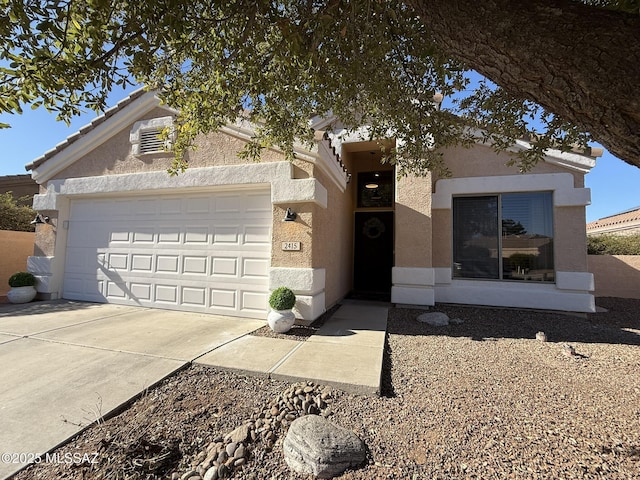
[226, 454]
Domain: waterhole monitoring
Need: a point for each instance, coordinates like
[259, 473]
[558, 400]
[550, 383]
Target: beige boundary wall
[15, 248]
[616, 275]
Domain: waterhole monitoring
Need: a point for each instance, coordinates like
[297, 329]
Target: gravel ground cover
[483, 399]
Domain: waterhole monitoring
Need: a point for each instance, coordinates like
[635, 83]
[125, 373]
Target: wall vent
[151, 142]
[145, 136]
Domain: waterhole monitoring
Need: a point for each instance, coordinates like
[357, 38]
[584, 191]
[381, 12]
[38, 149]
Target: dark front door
[373, 256]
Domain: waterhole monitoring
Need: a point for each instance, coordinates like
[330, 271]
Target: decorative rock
[189, 474]
[435, 319]
[316, 446]
[541, 336]
[223, 471]
[222, 456]
[212, 474]
[231, 449]
[240, 452]
[239, 435]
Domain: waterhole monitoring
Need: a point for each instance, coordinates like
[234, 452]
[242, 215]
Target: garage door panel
[168, 236]
[77, 259]
[227, 204]
[208, 253]
[257, 235]
[118, 261]
[82, 288]
[116, 290]
[258, 203]
[194, 265]
[170, 206]
[141, 262]
[253, 301]
[141, 291]
[225, 266]
[196, 235]
[255, 267]
[224, 298]
[198, 205]
[167, 264]
[166, 294]
[194, 296]
[143, 236]
[226, 235]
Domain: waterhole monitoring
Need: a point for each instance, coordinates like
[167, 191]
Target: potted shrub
[22, 287]
[281, 317]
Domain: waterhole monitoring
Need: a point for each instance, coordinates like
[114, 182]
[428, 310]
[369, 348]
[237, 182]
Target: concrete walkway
[66, 364]
[346, 352]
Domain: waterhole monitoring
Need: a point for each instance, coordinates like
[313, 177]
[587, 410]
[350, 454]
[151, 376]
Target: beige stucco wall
[442, 242]
[616, 275]
[298, 231]
[15, 247]
[570, 242]
[114, 156]
[413, 222]
[45, 236]
[333, 240]
[481, 161]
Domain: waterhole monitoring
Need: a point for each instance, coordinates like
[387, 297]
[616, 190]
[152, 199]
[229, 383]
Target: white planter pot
[281, 321]
[21, 294]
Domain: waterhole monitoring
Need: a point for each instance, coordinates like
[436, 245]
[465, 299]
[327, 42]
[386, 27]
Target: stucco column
[413, 277]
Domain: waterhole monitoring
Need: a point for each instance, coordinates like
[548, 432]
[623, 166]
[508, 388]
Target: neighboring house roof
[627, 220]
[19, 186]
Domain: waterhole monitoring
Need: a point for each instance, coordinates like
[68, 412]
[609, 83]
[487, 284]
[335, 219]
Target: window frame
[500, 236]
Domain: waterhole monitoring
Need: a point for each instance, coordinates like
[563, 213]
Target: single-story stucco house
[215, 238]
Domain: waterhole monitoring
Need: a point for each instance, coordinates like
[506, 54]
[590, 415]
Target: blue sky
[615, 185]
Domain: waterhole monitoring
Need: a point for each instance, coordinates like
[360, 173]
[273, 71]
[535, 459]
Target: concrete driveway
[65, 364]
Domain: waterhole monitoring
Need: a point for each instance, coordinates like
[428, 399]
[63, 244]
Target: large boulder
[315, 446]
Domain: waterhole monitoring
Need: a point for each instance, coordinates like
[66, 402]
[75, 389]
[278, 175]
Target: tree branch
[578, 61]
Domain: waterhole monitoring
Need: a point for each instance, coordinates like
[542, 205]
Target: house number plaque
[291, 246]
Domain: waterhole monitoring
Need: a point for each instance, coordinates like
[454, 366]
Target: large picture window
[504, 237]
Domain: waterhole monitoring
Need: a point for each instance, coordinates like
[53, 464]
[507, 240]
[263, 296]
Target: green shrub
[14, 214]
[22, 279]
[613, 245]
[282, 298]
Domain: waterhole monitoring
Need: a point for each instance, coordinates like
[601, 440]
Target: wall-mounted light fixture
[39, 220]
[290, 216]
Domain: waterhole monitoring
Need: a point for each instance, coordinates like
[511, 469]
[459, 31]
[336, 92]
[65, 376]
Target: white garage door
[199, 252]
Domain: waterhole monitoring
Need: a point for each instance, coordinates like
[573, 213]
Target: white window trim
[561, 184]
[160, 123]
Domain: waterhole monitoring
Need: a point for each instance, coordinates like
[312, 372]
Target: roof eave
[89, 137]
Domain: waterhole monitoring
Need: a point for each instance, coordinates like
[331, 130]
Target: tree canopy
[367, 62]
